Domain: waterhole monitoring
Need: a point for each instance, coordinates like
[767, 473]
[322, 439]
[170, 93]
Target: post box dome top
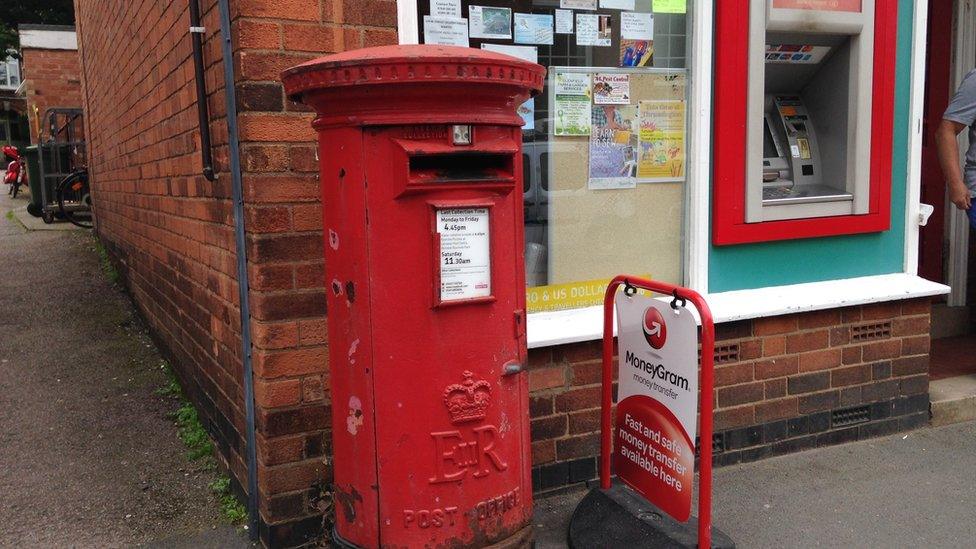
[404, 64]
[412, 84]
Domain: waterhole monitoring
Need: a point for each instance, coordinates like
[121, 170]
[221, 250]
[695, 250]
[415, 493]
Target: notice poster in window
[661, 141]
[564, 22]
[613, 147]
[637, 26]
[611, 89]
[670, 6]
[617, 4]
[445, 8]
[572, 104]
[578, 4]
[528, 53]
[487, 22]
[636, 53]
[533, 28]
[592, 30]
[448, 31]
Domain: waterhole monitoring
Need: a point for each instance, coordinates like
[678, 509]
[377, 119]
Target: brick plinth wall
[782, 384]
[52, 78]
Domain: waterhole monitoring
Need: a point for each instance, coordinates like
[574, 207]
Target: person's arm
[948, 149]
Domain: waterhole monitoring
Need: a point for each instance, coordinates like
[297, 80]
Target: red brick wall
[172, 230]
[778, 383]
[285, 246]
[52, 79]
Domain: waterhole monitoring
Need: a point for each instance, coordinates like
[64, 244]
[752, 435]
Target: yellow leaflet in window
[670, 6]
[571, 295]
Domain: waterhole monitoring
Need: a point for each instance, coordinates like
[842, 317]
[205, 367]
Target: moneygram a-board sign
[654, 434]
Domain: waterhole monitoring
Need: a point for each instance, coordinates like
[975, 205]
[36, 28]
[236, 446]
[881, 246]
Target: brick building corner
[52, 72]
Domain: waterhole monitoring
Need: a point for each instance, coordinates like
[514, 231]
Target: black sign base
[619, 517]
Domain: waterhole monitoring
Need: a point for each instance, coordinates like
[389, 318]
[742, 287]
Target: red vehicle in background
[16, 174]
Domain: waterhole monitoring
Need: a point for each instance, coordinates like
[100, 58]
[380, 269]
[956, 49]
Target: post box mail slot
[420, 150]
[467, 166]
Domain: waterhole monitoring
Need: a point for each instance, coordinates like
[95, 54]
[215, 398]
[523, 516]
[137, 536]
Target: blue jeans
[971, 212]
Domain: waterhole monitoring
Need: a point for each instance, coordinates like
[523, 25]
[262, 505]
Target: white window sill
[561, 327]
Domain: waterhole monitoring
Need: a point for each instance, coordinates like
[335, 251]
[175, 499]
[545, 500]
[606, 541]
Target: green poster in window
[670, 6]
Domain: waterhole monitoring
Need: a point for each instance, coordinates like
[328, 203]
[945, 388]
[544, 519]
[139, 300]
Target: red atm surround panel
[729, 139]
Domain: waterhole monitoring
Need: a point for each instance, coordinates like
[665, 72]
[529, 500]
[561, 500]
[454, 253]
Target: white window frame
[553, 328]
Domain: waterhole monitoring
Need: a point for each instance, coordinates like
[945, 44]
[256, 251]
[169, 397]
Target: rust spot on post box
[347, 502]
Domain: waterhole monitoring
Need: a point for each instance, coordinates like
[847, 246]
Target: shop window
[605, 144]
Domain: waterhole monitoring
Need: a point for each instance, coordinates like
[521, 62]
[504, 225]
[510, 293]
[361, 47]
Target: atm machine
[809, 109]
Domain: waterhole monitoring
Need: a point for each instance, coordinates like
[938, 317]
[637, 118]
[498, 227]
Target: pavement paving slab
[88, 457]
[915, 489]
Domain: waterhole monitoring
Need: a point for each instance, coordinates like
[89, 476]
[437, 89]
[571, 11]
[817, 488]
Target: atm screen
[769, 146]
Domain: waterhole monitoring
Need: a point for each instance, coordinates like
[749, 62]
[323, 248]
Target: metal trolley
[63, 155]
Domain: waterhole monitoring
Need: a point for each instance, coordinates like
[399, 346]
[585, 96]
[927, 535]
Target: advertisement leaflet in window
[578, 4]
[670, 6]
[564, 22]
[532, 28]
[661, 141]
[447, 31]
[637, 26]
[573, 107]
[593, 30]
[445, 8]
[611, 89]
[617, 4]
[489, 22]
[613, 148]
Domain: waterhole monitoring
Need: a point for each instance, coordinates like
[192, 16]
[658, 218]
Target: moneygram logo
[655, 330]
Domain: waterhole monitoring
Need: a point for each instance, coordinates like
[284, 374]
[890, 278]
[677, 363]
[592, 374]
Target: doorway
[947, 244]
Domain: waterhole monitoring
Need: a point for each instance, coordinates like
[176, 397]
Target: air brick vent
[850, 416]
[875, 330]
[718, 444]
[725, 354]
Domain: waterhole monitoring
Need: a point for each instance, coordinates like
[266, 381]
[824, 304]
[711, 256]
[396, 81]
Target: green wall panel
[746, 266]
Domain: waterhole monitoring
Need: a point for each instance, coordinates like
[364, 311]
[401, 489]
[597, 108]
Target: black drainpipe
[196, 37]
[233, 144]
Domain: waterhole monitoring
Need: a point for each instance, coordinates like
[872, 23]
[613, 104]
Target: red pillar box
[421, 172]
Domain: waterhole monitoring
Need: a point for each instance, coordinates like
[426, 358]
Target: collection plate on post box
[465, 261]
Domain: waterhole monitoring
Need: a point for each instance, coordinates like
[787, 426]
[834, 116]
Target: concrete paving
[88, 457]
[915, 489]
[18, 209]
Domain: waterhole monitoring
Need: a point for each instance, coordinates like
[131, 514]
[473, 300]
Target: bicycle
[74, 199]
